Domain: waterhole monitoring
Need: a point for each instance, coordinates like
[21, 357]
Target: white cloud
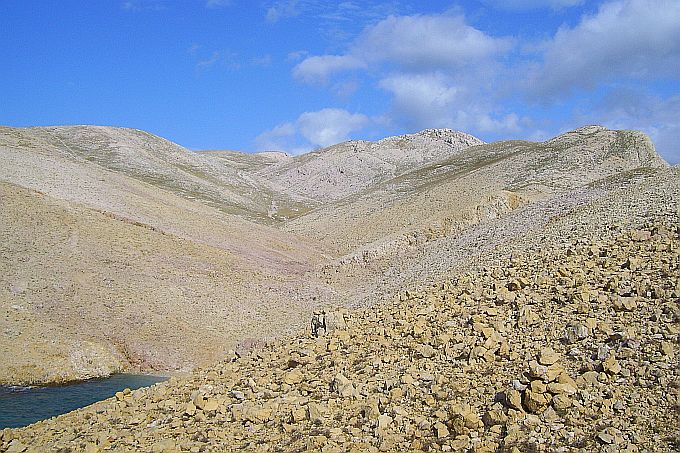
[263, 61]
[414, 43]
[510, 123]
[437, 100]
[426, 42]
[296, 55]
[208, 63]
[312, 129]
[276, 139]
[345, 88]
[422, 100]
[317, 69]
[329, 126]
[193, 49]
[327, 14]
[635, 39]
[217, 58]
[438, 69]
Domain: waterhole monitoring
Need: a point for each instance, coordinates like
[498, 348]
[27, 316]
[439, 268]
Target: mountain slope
[152, 160]
[73, 232]
[572, 346]
[341, 170]
[84, 293]
[118, 244]
[478, 183]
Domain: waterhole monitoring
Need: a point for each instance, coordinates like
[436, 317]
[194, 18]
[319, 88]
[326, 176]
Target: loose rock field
[572, 348]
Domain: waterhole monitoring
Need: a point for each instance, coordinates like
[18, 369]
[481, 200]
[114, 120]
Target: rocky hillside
[97, 263]
[349, 168]
[571, 347]
[474, 184]
[113, 237]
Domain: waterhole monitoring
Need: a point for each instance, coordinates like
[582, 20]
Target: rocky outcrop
[348, 168]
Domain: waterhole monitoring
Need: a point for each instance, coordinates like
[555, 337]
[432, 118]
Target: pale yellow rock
[15, 446]
[514, 399]
[442, 430]
[535, 402]
[407, 379]
[561, 402]
[427, 351]
[494, 416]
[199, 401]
[293, 377]
[165, 445]
[553, 372]
[548, 356]
[611, 365]
[562, 388]
[190, 408]
[315, 412]
[537, 370]
[384, 421]
[92, 448]
[211, 405]
[298, 414]
[538, 386]
[667, 348]
[405, 402]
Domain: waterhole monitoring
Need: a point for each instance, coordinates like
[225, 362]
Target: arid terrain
[502, 296]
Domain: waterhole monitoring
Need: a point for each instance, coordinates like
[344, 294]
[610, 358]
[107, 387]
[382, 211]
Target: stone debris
[559, 367]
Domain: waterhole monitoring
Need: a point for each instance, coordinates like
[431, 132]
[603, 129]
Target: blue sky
[295, 75]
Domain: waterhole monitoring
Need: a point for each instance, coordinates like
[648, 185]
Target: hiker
[319, 322]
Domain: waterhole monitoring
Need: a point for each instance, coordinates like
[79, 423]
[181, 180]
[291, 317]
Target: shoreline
[56, 384]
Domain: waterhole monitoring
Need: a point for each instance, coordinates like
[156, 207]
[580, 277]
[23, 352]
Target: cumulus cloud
[312, 129]
[329, 14]
[425, 42]
[329, 126]
[438, 100]
[296, 55]
[264, 61]
[635, 39]
[438, 69]
[414, 43]
[209, 62]
[278, 139]
[422, 100]
[317, 69]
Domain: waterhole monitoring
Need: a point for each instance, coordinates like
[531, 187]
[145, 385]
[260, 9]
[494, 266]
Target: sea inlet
[21, 406]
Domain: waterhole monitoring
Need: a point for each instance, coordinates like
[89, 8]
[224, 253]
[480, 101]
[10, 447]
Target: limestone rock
[611, 365]
[15, 446]
[293, 377]
[548, 356]
[442, 430]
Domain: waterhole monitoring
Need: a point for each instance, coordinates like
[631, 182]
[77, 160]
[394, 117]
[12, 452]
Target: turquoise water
[23, 406]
